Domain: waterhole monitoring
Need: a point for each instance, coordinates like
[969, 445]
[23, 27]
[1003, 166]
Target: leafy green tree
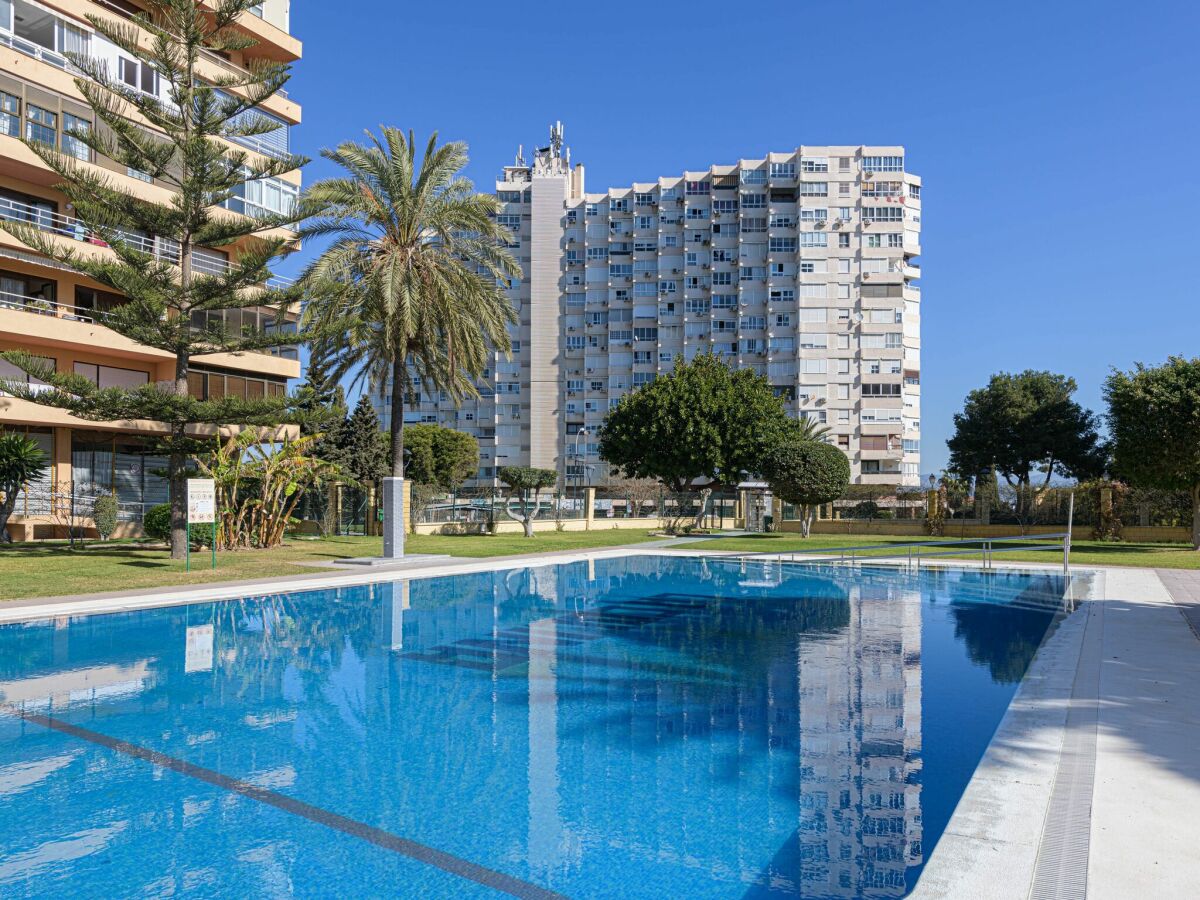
[807, 474]
[527, 482]
[414, 280]
[441, 457]
[166, 255]
[21, 461]
[701, 421]
[1154, 422]
[1024, 424]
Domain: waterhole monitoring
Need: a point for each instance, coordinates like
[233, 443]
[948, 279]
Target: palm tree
[414, 279]
[809, 429]
[21, 461]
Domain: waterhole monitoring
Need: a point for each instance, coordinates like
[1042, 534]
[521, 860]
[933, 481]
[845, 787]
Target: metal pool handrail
[914, 552]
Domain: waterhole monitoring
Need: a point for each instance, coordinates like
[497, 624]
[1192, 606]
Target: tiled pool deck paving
[1090, 785]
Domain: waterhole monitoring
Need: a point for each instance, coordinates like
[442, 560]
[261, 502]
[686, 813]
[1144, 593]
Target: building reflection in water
[725, 730]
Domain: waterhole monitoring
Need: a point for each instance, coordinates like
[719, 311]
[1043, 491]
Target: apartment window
[883, 213]
[881, 390]
[783, 170]
[843, 366]
[914, 191]
[813, 366]
[697, 188]
[782, 245]
[881, 415]
[725, 206]
[41, 125]
[895, 240]
[814, 164]
[109, 376]
[783, 320]
[783, 295]
[814, 215]
[754, 201]
[814, 342]
[670, 240]
[843, 240]
[138, 75]
[511, 197]
[883, 163]
[756, 225]
[10, 115]
[843, 391]
[813, 315]
[644, 199]
[724, 301]
[815, 239]
[814, 188]
[844, 189]
[620, 204]
[754, 176]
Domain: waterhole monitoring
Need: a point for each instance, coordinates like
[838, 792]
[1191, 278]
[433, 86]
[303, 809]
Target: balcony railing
[74, 229]
[37, 51]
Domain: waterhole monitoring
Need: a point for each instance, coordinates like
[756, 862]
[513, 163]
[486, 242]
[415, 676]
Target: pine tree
[360, 446]
[161, 252]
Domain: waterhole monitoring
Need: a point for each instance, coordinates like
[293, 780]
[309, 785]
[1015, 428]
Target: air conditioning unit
[866, 276]
[866, 222]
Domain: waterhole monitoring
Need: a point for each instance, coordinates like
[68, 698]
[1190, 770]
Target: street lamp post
[582, 432]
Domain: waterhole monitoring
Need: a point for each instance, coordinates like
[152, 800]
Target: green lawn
[1084, 553]
[46, 569]
[52, 569]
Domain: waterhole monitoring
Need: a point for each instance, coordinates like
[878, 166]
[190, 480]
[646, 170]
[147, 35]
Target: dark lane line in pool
[385, 839]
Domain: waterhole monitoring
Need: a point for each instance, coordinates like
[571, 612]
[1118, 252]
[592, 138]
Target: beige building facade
[58, 314]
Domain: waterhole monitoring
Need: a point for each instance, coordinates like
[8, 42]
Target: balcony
[163, 249]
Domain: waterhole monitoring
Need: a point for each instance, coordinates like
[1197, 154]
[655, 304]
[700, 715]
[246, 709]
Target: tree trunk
[397, 423]
[1196, 517]
[704, 495]
[806, 518]
[177, 462]
[6, 510]
[527, 522]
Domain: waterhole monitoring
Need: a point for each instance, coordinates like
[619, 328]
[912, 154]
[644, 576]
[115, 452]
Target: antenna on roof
[520, 154]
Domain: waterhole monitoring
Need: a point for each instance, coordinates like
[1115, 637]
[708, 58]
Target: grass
[1083, 553]
[53, 569]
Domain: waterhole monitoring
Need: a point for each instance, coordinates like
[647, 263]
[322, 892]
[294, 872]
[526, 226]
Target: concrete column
[589, 512]
[394, 518]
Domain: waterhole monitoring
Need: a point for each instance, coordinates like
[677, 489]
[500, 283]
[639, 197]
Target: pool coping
[1006, 837]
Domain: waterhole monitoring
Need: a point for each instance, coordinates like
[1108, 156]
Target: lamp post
[582, 432]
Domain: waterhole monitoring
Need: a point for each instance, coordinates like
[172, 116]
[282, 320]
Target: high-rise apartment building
[799, 265]
[58, 313]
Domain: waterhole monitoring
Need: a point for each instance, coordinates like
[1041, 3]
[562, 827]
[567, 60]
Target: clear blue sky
[1058, 141]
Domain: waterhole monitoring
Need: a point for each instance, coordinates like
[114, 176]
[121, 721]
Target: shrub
[104, 515]
[157, 522]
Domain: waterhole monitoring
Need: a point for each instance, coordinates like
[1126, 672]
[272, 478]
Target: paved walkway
[1144, 826]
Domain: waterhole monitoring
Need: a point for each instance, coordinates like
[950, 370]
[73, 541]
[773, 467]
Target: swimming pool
[641, 726]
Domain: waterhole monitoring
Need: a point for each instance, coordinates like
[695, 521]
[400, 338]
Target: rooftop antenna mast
[520, 154]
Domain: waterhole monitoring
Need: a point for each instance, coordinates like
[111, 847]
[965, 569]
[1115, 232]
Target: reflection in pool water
[650, 726]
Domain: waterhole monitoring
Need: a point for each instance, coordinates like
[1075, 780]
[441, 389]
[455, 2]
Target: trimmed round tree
[701, 423]
[526, 482]
[807, 474]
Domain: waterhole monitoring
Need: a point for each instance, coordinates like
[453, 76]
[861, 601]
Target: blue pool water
[640, 727]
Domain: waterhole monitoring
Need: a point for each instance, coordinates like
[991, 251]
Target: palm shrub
[104, 516]
[21, 461]
[414, 279]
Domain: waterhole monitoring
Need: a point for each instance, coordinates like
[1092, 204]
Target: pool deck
[1088, 788]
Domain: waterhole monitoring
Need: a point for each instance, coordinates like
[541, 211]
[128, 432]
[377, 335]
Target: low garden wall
[508, 526]
[916, 530]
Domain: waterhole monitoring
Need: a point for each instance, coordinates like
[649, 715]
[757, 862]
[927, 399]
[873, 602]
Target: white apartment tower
[799, 265]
